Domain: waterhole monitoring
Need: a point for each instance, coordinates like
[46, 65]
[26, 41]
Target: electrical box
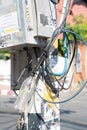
[22, 22]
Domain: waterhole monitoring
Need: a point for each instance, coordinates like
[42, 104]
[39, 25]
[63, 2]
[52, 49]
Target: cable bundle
[53, 82]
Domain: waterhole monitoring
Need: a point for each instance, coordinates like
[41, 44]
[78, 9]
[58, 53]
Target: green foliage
[5, 55]
[80, 26]
[78, 19]
[61, 48]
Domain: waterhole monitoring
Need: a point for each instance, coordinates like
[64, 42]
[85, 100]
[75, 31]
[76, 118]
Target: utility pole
[26, 29]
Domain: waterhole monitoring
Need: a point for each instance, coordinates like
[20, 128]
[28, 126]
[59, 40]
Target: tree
[5, 55]
[80, 26]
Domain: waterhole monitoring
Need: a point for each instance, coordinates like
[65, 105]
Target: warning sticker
[8, 23]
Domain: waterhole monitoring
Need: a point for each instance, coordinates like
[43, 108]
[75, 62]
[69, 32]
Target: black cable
[59, 29]
[15, 91]
[14, 85]
[51, 11]
[53, 18]
[40, 117]
[75, 45]
[24, 127]
[49, 80]
[74, 51]
[54, 1]
[65, 75]
[55, 34]
[68, 99]
[76, 34]
[69, 64]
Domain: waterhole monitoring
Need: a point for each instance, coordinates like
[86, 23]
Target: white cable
[66, 6]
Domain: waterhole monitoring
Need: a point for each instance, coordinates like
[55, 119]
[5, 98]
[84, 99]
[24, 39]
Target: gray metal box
[22, 22]
[20, 64]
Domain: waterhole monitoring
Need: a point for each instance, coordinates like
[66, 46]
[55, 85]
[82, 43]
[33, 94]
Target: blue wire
[65, 57]
[80, 37]
[76, 34]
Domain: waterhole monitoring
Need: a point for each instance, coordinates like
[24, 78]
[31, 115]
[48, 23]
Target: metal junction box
[23, 22]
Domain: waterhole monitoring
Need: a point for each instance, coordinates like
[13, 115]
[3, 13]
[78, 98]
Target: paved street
[8, 116]
[8, 121]
[74, 113]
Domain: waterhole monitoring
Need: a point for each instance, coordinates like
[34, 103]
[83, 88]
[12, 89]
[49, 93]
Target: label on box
[8, 23]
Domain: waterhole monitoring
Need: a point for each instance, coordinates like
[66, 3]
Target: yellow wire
[50, 96]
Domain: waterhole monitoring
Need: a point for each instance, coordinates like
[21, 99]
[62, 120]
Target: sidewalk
[5, 88]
